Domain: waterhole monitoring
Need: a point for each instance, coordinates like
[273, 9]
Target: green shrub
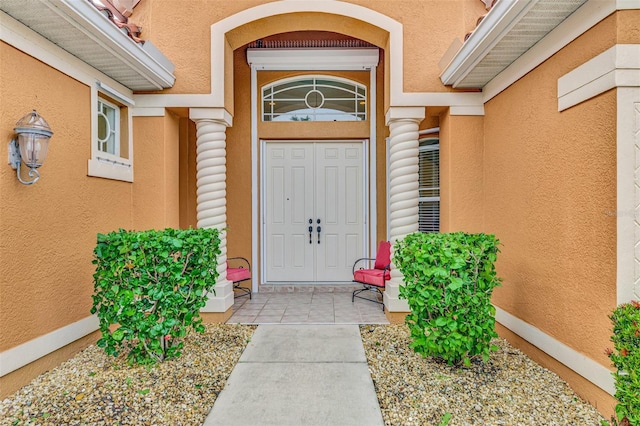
[448, 280]
[149, 288]
[626, 359]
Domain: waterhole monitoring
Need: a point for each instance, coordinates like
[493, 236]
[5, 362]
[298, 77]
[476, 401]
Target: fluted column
[211, 159]
[403, 194]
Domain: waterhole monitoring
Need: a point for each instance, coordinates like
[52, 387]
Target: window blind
[429, 186]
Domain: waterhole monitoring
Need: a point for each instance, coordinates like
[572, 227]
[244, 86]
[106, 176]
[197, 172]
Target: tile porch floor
[312, 304]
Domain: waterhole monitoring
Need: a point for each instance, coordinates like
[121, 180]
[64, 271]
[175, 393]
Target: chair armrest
[353, 270]
[244, 263]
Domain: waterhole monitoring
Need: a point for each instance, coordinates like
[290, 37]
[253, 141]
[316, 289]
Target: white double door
[314, 213]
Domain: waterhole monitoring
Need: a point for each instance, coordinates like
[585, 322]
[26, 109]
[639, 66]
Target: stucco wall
[156, 187]
[550, 185]
[239, 188]
[48, 230]
[429, 28]
[461, 168]
[188, 182]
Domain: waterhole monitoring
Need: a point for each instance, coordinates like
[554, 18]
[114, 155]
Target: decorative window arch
[314, 98]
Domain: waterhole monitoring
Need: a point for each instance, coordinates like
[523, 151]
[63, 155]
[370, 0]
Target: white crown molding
[596, 373]
[619, 66]
[21, 355]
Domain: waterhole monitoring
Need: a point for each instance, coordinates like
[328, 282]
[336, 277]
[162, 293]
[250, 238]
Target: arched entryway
[221, 203]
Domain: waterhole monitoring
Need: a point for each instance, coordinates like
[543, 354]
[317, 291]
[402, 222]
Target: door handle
[319, 229]
[310, 231]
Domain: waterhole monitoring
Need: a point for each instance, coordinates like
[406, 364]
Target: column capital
[404, 113]
[216, 114]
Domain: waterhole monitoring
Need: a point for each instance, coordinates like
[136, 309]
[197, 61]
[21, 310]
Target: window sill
[110, 170]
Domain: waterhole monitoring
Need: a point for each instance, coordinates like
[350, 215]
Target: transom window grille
[108, 127]
[314, 98]
[429, 185]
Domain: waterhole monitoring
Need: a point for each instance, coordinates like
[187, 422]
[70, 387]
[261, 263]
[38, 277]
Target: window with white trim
[108, 127]
[429, 185]
[314, 98]
[111, 141]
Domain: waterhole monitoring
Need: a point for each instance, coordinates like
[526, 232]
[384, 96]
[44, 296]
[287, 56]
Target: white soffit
[509, 29]
[313, 59]
[82, 30]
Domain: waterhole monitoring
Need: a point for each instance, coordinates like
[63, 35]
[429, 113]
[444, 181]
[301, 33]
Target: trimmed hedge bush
[449, 279]
[626, 359]
[149, 288]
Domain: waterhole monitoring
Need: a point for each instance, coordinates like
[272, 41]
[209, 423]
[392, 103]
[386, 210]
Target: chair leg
[368, 288]
[243, 290]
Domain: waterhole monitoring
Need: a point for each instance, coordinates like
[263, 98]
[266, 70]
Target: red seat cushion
[238, 274]
[372, 277]
[383, 257]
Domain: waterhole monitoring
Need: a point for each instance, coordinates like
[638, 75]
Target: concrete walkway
[300, 375]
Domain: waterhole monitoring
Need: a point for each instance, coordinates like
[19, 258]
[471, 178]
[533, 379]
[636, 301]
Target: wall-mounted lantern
[31, 145]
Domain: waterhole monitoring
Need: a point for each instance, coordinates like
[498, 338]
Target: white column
[211, 159]
[403, 194]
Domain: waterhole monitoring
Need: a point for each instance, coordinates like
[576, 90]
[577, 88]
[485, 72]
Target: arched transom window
[314, 98]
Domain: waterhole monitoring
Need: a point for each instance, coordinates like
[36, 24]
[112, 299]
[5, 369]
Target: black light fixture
[31, 145]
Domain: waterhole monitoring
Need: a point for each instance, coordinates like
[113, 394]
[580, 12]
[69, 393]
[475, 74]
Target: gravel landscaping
[95, 389]
[510, 389]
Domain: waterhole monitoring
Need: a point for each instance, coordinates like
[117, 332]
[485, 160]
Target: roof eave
[96, 26]
[500, 19]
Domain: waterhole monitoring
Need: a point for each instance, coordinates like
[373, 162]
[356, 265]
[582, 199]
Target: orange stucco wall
[49, 229]
[188, 182]
[435, 21]
[239, 165]
[156, 187]
[461, 167]
[549, 183]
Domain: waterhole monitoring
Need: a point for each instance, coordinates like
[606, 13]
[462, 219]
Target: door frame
[339, 59]
[366, 198]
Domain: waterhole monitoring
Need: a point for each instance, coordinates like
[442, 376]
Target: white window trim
[114, 127]
[102, 164]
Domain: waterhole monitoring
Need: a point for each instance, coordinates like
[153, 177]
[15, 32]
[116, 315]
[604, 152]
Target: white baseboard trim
[21, 355]
[594, 372]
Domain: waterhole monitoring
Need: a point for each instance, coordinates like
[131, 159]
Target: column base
[216, 317]
[222, 300]
[395, 317]
[392, 303]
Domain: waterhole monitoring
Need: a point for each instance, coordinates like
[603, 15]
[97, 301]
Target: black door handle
[310, 231]
[319, 229]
